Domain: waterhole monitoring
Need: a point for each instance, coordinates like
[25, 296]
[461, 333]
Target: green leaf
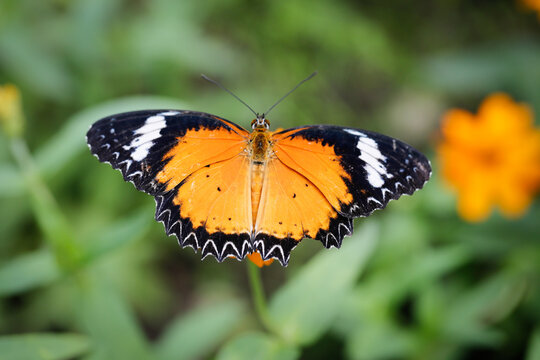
[109, 321]
[256, 345]
[533, 352]
[32, 64]
[417, 271]
[47, 212]
[468, 318]
[200, 331]
[27, 272]
[119, 233]
[371, 341]
[481, 69]
[10, 181]
[304, 307]
[42, 346]
[170, 27]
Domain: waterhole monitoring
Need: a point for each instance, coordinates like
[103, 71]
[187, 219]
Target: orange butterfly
[230, 192]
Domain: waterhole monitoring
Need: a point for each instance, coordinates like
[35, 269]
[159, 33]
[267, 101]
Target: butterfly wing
[193, 164]
[322, 177]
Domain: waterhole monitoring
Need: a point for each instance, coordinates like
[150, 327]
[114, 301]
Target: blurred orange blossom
[532, 4]
[492, 158]
[256, 258]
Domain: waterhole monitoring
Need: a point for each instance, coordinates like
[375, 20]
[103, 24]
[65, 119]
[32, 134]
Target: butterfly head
[260, 123]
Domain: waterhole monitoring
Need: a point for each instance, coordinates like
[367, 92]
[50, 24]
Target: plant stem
[257, 292]
[50, 218]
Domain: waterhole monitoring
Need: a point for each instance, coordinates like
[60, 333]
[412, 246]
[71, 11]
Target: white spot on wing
[354, 132]
[153, 123]
[374, 177]
[169, 113]
[370, 146]
[141, 151]
[374, 159]
[147, 134]
[369, 153]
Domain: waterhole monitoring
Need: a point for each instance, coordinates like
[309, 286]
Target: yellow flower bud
[11, 116]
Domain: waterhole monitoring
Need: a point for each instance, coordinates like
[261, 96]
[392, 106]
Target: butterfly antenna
[287, 94]
[229, 91]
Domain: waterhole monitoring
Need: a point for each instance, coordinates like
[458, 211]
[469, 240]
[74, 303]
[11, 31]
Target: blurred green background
[85, 271]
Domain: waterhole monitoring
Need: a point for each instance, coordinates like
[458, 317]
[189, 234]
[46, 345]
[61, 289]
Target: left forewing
[157, 149]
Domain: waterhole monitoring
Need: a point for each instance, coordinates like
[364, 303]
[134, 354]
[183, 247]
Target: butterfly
[229, 192]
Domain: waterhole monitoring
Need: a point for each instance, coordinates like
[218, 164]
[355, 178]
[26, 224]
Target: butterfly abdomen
[257, 177]
[259, 150]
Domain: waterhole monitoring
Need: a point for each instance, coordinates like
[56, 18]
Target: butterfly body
[259, 148]
[229, 192]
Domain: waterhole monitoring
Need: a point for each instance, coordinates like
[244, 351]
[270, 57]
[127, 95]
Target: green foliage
[534, 349]
[105, 316]
[86, 273]
[257, 345]
[198, 332]
[28, 271]
[321, 287]
[42, 346]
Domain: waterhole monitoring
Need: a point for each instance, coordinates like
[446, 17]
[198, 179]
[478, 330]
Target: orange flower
[492, 158]
[256, 258]
[532, 4]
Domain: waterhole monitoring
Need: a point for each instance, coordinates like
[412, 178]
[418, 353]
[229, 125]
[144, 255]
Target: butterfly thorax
[259, 141]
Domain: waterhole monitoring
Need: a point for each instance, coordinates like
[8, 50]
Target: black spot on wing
[219, 245]
[110, 140]
[405, 168]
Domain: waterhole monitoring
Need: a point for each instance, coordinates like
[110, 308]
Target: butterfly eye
[260, 122]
